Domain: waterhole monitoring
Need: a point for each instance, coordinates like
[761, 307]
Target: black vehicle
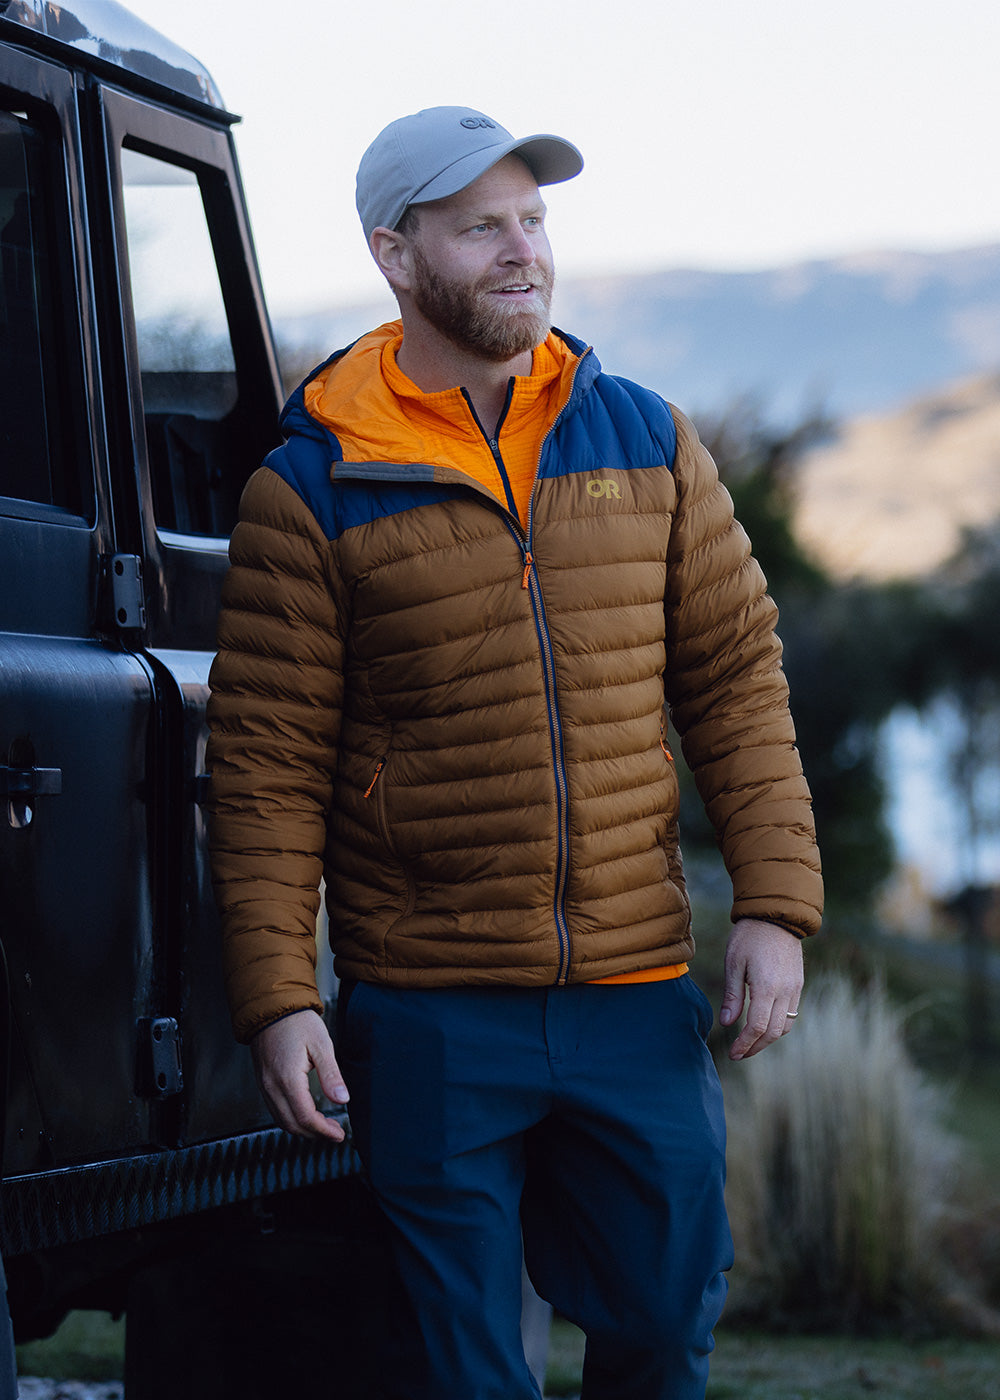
[138, 388]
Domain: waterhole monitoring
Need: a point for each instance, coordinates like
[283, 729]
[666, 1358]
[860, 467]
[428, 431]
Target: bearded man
[464, 597]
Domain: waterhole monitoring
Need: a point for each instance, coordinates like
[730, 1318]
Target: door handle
[30, 782]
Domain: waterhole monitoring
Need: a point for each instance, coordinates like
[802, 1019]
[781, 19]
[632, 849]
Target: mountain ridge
[848, 335]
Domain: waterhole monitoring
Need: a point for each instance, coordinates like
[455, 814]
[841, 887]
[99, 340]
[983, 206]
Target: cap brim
[550, 159]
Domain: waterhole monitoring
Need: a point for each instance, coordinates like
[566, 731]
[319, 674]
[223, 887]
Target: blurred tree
[964, 672]
[856, 652]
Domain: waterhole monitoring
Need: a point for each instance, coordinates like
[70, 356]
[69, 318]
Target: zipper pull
[529, 559]
[663, 741]
[378, 769]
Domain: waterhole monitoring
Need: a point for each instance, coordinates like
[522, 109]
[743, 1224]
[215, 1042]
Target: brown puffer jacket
[459, 724]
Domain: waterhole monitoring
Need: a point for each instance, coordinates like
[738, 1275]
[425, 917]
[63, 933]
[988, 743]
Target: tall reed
[840, 1170]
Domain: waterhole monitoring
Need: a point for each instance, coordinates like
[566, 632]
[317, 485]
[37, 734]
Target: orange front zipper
[375, 777]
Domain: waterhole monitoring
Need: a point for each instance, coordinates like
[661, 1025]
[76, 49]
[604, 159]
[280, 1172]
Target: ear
[390, 250]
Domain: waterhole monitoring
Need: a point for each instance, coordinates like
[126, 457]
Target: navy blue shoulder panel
[304, 463]
[614, 424]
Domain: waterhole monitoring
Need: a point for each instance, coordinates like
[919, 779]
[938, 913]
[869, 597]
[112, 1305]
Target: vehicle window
[186, 359]
[37, 364]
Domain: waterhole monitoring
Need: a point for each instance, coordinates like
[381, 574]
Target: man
[461, 594]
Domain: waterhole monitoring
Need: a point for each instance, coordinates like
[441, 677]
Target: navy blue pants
[586, 1121]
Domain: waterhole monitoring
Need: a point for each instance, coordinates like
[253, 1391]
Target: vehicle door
[202, 404]
[76, 706]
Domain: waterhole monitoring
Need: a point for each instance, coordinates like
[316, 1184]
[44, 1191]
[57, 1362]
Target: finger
[732, 1007]
[319, 1126]
[331, 1081]
[733, 995]
[289, 1098]
[765, 1024]
[294, 1109]
[791, 1016]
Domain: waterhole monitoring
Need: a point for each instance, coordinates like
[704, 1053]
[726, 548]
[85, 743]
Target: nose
[517, 247]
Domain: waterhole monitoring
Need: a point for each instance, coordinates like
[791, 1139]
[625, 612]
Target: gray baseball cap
[440, 151]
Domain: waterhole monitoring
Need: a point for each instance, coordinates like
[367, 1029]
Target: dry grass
[754, 1366]
[842, 1174]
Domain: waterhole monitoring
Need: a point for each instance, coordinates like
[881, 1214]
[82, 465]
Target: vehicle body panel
[139, 387]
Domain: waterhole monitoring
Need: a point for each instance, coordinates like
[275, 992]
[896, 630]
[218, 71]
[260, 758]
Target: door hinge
[160, 1073]
[128, 600]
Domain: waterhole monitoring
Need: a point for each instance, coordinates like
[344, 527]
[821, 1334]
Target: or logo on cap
[474, 123]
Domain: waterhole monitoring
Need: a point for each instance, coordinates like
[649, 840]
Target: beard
[472, 317]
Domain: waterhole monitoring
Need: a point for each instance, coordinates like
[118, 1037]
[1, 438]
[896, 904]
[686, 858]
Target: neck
[433, 363]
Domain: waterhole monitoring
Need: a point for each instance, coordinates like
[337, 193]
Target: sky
[717, 134]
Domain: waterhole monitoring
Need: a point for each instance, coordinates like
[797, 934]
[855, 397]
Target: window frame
[207, 152]
[184, 570]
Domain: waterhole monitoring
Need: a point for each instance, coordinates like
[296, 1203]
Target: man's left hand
[765, 961]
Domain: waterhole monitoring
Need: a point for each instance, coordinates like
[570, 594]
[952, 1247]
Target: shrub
[841, 1173]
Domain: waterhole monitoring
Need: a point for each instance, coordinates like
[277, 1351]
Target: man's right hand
[283, 1055]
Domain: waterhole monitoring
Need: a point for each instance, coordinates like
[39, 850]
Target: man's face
[481, 270]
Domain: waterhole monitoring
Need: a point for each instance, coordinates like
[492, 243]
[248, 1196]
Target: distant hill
[901, 349]
[890, 495]
[851, 335]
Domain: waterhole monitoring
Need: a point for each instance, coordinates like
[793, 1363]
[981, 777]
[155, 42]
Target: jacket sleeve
[729, 702]
[274, 719]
